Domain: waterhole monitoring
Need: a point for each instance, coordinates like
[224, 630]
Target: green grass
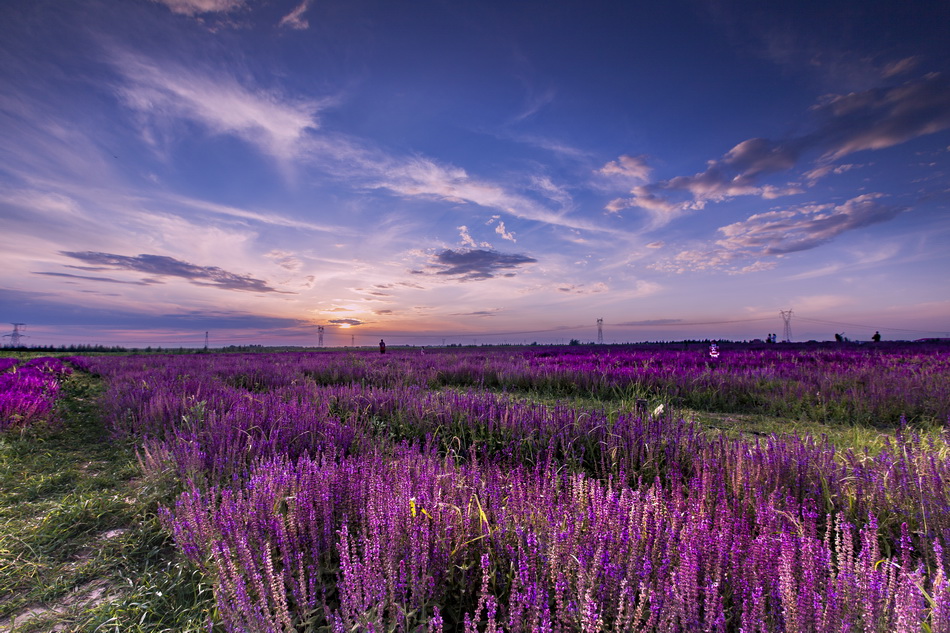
[857, 437]
[81, 546]
[749, 426]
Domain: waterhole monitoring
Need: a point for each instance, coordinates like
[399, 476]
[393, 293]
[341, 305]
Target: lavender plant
[28, 390]
[341, 492]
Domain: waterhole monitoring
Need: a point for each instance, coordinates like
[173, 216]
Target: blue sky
[472, 171]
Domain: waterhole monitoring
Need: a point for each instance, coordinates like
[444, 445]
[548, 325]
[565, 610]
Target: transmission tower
[15, 335]
[787, 318]
[600, 331]
[206, 340]
[319, 336]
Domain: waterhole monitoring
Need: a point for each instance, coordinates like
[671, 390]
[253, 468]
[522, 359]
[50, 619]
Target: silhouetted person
[877, 337]
[382, 346]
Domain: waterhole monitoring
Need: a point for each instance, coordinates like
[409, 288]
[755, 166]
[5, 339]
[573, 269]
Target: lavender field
[28, 389]
[522, 489]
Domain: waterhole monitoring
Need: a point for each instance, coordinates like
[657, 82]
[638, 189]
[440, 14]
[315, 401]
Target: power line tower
[600, 331]
[206, 340]
[787, 318]
[319, 336]
[15, 335]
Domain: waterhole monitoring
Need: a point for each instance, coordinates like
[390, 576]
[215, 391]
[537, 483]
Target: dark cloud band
[475, 263]
[346, 322]
[163, 266]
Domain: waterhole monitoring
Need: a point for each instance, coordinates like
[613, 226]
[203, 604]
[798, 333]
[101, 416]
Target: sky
[449, 171]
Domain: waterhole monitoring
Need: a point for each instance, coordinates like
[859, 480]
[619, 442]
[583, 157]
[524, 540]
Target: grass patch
[855, 436]
[81, 547]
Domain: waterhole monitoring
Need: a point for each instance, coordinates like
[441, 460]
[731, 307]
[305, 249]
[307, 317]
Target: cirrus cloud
[883, 117]
[844, 124]
[195, 7]
[295, 19]
[158, 90]
[780, 232]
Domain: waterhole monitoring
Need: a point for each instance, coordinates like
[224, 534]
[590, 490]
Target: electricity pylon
[787, 317]
[15, 335]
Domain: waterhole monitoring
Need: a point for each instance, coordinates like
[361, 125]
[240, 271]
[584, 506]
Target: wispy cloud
[734, 174]
[478, 313]
[286, 260]
[277, 126]
[109, 280]
[823, 271]
[794, 41]
[777, 233]
[288, 130]
[653, 322]
[719, 260]
[163, 266]
[820, 303]
[549, 189]
[880, 118]
[468, 240]
[500, 229]
[41, 143]
[812, 176]
[552, 145]
[781, 232]
[629, 167]
[860, 259]
[900, 66]
[534, 103]
[426, 178]
[195, 7]
[47, 203]
[295, 19]
[662, 209]
[263, 217]
[504, 233]
[477, 264]
[583, 289]
[868, 120]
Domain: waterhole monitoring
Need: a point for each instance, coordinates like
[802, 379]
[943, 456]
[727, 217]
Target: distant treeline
[574, 343]
[66, 348]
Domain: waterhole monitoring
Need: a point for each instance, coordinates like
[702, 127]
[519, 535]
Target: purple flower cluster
[28, 390]
[338, 491]
[875, 385]
[377, 543]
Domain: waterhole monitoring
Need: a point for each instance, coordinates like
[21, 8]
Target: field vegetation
[775, 488]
